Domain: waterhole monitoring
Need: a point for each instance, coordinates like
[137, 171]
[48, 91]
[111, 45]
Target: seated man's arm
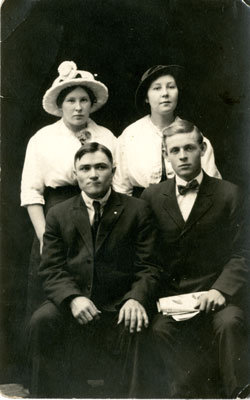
[234, 273]
[146, 276]
[59, 285]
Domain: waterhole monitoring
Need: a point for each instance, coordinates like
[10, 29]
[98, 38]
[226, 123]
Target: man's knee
[45, 322]
[230, 319]
[163, 327]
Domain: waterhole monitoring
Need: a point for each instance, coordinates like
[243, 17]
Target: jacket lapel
[170, 203]
[111, 214]
[203, 202]
[81, 220]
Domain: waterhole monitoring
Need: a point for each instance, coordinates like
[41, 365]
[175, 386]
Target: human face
[94, 173]
[162, 95]
[76, 108]
[184, 152]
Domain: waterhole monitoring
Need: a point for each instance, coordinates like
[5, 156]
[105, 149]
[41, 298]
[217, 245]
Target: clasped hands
[132, 313]
[213, 300]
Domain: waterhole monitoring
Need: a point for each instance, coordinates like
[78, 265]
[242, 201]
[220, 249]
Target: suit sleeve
[234, 273]
[58, 284]
[146, 277]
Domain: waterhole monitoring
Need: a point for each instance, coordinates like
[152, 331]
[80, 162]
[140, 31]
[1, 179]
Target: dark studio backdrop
[118, 40]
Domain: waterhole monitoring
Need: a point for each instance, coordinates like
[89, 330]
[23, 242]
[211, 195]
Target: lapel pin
[115, 212]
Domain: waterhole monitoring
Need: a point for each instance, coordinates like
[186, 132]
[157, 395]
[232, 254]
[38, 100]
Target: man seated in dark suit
[99, 277]
[201, 248]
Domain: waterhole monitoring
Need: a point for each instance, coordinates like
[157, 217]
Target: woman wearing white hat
[47, 176]
[140, 150]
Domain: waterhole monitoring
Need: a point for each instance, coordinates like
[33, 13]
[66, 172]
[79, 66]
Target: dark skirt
[35, 294]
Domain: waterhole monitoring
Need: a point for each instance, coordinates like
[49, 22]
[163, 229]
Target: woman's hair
[182, 126]
[92, 148]
[67, 90]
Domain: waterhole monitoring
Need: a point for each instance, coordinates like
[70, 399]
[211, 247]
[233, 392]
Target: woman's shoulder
[136, 127]
[99, 128]
[46, 131]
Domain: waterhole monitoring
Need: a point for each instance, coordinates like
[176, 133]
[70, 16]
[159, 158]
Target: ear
[146, 100]
[74, 172]
[203, 148]
[113, 171]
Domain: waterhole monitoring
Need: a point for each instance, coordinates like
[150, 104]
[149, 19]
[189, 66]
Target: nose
[164, 91]
[78, 105]
[93, 174]
[182, 154]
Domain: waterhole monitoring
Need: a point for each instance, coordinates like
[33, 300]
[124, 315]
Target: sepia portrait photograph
[125, 199]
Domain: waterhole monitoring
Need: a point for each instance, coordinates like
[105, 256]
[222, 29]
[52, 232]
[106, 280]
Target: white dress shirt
[139, 157]
[50, 155]
[89, 204]
[187, 200]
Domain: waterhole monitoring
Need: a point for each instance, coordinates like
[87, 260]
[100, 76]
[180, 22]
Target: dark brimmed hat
[177, 71]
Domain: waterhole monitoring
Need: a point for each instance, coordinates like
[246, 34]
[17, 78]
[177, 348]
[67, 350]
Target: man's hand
[134, 316]
[84, 310]
[213, 300]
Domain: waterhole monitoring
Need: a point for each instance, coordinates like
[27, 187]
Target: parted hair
[92, 147]
[182, 126]
[61, 97]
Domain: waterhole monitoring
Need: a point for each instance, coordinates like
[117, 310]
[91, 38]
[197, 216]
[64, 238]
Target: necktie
[84, 136]
[163, 171]
[193, 185]
[97, 218]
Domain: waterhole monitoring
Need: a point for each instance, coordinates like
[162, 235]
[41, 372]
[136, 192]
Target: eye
[70, 100]
[84, 168]
[174, 150]
[156, 87]
[189, 148]
[101, 167]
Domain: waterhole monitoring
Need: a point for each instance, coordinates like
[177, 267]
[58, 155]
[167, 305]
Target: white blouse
[50, 157]
[139, 157]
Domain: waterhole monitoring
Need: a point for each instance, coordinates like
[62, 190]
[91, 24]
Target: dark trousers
[184, 347]
[63, 355]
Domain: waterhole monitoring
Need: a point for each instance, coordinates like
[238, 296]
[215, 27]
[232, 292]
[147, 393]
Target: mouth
[93, 183]
[165, 102]
[184, 165]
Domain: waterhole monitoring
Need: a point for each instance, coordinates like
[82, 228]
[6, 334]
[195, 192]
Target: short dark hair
[67, 90]
[182, 126]
[92, 147]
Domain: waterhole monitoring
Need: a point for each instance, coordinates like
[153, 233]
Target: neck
[77, 128]
[162, 120]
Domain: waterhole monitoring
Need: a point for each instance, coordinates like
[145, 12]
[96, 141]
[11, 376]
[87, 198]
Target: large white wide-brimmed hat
[69, 76]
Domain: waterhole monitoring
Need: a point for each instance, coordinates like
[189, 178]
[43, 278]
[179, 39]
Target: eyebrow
[93, 165]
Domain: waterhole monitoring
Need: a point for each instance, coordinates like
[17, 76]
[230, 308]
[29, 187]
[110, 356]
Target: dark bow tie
[191, 186]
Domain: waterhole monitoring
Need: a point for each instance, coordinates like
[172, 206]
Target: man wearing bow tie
[100, 280]
[201, 248]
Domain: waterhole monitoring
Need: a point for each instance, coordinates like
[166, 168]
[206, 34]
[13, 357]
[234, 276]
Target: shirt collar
[68, 131]
[181, 182]
[157, 130]
[89, 202]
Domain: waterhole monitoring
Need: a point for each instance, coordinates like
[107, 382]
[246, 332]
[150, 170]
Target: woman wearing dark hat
[140, 152]
[47, 176]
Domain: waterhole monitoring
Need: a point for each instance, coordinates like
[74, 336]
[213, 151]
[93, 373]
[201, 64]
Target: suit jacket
[121, 267]
[207, 250]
